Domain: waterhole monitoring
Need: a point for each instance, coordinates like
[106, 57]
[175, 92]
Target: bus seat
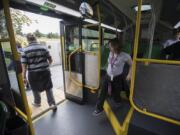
[3, 117]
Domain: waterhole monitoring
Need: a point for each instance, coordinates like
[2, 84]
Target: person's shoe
[53, 107]
[36, 104]
[97, 112]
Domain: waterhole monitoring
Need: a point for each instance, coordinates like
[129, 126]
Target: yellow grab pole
[158, 61]
[100, 43]
[138, 20]
[16, 58]
[20, 113]
[64, 57]
[70, 73]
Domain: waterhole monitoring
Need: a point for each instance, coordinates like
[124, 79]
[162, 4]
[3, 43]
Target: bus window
[90, 39]
[72, 39]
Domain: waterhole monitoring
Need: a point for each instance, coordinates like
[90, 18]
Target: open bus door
[73, 60]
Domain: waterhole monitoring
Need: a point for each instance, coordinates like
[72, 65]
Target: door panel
[72, 60]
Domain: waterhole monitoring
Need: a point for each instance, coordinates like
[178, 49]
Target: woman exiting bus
[114, 81]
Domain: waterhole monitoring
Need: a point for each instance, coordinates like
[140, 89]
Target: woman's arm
[129, 62]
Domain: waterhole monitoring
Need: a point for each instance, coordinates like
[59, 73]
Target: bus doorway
[51, 42]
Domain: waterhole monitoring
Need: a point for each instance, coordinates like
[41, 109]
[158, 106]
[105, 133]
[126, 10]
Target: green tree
[38, 34]
[18, 19]
[52, 35]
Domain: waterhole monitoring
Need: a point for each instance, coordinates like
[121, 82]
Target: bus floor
[73, 119]
[58, 95]
[58, 92]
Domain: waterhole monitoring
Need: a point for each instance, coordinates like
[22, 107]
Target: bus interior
[153, 107]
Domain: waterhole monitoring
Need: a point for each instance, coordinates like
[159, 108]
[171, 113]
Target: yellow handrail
[70, 73]
[89, 52]
[135, 51]
[158, 61]
[20, 113]
[16, 58]
[145, 60]
[63, 53]
[119, 128]
[93, 89]
[100, 43]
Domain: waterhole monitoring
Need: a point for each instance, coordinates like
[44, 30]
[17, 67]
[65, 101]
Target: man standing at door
[36, 60]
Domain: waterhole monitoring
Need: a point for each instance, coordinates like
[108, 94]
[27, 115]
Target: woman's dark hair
[30, 37]
[116, 44]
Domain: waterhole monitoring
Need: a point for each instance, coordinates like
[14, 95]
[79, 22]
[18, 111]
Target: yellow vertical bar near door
[138, 20]
[16, 58]
[100, 43]
[135, 60]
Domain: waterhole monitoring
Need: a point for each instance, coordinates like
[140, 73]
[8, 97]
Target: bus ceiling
[54, 8]
[117, 13]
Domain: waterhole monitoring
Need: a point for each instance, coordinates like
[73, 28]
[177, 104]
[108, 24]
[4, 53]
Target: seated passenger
[176, 38]
[171, 47]
[114, 81]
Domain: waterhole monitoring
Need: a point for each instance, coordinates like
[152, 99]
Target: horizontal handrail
[158, 61]
[74, 80]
